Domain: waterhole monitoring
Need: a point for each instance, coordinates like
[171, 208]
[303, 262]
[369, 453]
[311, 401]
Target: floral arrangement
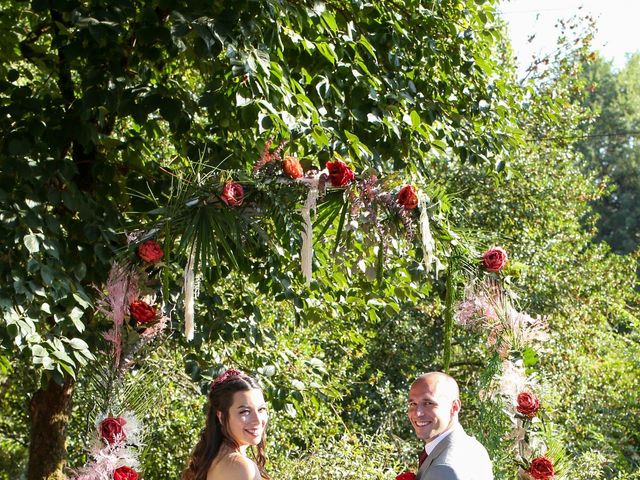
[114, 450]
[406, 476]
[129, 303]
[379, 204]
[488, 308]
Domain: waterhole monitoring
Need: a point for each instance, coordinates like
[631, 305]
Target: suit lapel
[440, 448]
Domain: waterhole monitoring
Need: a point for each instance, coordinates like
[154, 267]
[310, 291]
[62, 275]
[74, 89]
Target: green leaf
[38, 351]
[78, 344]
[76, 315]
[47, 275]
[326, 50]
[530, 357]
[330, 20]
[31, 242]
[415, 119]
[4, 365]
[63, 357]
[290, 410]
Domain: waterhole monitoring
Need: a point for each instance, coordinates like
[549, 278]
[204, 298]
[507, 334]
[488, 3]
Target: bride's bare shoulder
[233, 466]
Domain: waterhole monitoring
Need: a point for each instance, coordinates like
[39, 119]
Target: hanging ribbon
[428, 242]
[189, 287]
[306, 253]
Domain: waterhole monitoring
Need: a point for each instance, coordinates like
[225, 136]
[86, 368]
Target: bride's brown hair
[216, 431]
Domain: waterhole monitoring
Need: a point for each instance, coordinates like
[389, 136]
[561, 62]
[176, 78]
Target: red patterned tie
[423, 456]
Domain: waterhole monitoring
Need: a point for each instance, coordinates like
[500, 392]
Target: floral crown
[223, 377]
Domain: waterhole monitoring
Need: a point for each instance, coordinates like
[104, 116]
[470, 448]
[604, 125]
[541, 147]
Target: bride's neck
[230, 448]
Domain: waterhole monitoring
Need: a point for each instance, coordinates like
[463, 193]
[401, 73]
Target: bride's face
[247, 418]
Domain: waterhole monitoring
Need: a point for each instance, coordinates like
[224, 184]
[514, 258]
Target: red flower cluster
[494, 259]
[142, 312]
[528, 404]
[406, 476]
[232, 372]
[111, 430]
[407, 197]
[291, 166]
[339, 173]
[541, 468]
[125, 473]
[232, 194]
[150, 251]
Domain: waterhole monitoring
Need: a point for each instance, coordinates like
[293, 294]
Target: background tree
[610, 148]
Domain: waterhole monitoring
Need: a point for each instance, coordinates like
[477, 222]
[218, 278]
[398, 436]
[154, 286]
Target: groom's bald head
[445, 385]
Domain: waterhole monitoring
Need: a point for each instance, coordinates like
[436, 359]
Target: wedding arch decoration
[512, 379]
[129, 304]
[238, 209]
[218, 216]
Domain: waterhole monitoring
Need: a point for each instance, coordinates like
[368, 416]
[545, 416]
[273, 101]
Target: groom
[449, 453]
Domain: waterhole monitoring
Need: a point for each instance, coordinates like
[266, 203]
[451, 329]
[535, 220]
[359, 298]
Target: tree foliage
[610, 148]
[110, 110]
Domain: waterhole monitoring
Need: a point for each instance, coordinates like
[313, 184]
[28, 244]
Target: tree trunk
[50, 412]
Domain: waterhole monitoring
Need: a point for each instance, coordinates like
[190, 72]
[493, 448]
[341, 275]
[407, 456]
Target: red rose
[407, 197]
[406, 476]
[339, 173]
[494, 259]
[125, 473]
[111, 429]
[150, 251]
[142, 312]
[541, 468]
[528, 404]
[291, 166]
[232, 194]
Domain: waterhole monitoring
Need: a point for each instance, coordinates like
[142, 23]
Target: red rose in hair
[142, 312]
[407, 197]
[528, 404]
[232, 372]
[541, 468]
[111, 429]
[125, 473]
[494, 259]
[406, 476]
[339, 173]
[291, 166]
[150, 251]
[232, 194]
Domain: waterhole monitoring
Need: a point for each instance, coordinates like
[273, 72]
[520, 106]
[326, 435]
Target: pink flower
[111, 429]
[232, 194]
[494, 259]
[150, 251]
[339, 173]
[407, 197]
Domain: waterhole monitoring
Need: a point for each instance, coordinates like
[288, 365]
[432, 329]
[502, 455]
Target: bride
[236, 420]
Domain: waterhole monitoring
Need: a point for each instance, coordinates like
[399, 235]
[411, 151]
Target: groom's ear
[455, 406]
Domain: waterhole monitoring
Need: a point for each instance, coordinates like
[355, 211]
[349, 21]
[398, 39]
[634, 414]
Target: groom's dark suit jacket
[457, 457]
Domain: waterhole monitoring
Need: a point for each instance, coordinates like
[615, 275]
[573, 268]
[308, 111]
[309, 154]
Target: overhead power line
[594, 135]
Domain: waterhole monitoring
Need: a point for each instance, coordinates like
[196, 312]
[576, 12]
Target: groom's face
[432, 410]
